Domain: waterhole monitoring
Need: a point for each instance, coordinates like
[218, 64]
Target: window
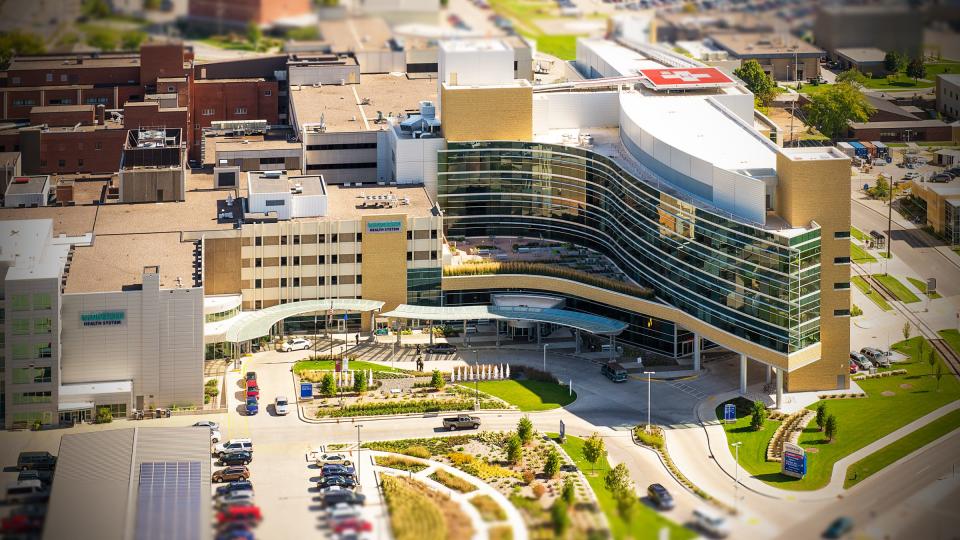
[283, 282]
[359, 279]
[359, 257]
[284, 240]
[321, 239]
[841, 286]
[49, 77]
[23, 398]
[296, 261]
[258, 283]
[98, 146]
[334, 238]
[208, 112]
[433, 255]
[283, 261]
[240, 110]
[333, 280]
[296, 282]
[41, 301]
[321, 280]
[841, 313]
[171, 89]
[61, 163]
[258, 241]
[32, 375]
[333, 259]
[42, 325]
[322, 259]
[841, 260]
[344, 146]
[95, 100]
[43, 350]
[409, 255]
[274, 202]
[296, 239]
[24, 102]
[359, 237]
[258, 262]
[16, 80]
[268, 93]
[63, 77]
[433, 234]
[327, 166]
[20, 302]
[21, 351]
[409, 234]
[80, 162]
[271, 161]
[20, 327]
[839, 235]
[62, 101]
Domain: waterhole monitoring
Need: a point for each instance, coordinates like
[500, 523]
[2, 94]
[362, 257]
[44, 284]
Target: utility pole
[736, 481]
[476, 377]
[358, 452]
[889, 221]
[649, 374]
[545, 345]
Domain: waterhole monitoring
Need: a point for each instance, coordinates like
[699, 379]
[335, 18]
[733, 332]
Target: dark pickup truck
[463, 421]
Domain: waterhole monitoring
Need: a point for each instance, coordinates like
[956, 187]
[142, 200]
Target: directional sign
[306, 390]
[563, 431]
[729, 412]
[794, 460]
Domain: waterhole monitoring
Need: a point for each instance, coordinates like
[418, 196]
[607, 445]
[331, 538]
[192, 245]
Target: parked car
[853, 367]
[235, 498]
[207, 424]
[250, 376]
[26, 491]
[252, 406]
[230, 474]
[245, 514]
[333, 459]
[351, 524]
[21, 524]
[251, 383]
[36, 460]
[215, 436]
[237, 485]
[233, 445]
[876, 356]
[343, 481]
[441, 348]
[461, 421]
[711, 522]
[298, 344]
[238, 531]
[241, 457]
[839, 528]
[660, 496]
[861, 360]
[337, 470]
[343, 497]
[44, 476]
[253, 392]
[342, 511]
[281, 405]
[614, 371]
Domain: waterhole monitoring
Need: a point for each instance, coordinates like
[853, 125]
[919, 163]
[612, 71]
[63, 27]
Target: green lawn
[524, 13]
[865, 288]
[859, 255]
[527, 395]
[306, 365]
[899, 82]
[897, 288]
[643, 522]
[859, 235]
[753, 451]
[863, 469]
[921, 285]
[860, 421]
[952, 337]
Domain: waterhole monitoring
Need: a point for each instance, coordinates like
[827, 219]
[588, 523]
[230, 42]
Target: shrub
[552, 465]
[539, 490]
[436, 380]
[560, 517]
[525, 430]
[528, 477]
[486, 471]
[399, 463]
[417, 452]
[653, 438]
[758, 415]
[459, 459]
[360, 382]
[514, 450]
[569, 493]
[412, 515]
[104, 416]
[405, 407]
[452, 482]
[328, 386]
[488, 508]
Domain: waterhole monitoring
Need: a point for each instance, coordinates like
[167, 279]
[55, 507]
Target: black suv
[343, 497]
[240, 457]
[37, 461]
[660, 496]
[346, 482]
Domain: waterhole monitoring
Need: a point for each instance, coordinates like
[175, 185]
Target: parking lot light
[358, 453]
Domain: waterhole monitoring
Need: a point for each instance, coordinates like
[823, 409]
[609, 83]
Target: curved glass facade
[750, 282]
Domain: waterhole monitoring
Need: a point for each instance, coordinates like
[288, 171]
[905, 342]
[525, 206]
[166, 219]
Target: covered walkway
[254, 324]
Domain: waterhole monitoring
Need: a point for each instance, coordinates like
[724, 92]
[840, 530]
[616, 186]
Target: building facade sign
[103, 318]
[383, 226]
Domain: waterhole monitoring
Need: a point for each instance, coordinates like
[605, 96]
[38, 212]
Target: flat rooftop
[71, 61]
[62, 109]
[348, 202]
[862, 54]
[764, 44]
[198, 212]
[624, 60]
[263, 183]
[354, 34]
[67, 220]
[339, 107]
[115, 262]
[257, 142]
[473, 45]
[27, 185]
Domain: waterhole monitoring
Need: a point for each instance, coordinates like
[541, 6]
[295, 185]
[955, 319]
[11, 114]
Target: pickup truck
[464, 421]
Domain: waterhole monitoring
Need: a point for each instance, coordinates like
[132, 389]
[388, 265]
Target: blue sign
[306, 390]
[729, 412]
[794, 460]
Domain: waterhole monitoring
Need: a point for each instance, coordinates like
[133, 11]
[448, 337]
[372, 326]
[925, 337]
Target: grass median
[877, 461]
[921, 286]
[859, 255]
[321, 365]
[891, 403]
[952, 337]
[868, 291]
[897, 288]
[642, 521]
[527, 395]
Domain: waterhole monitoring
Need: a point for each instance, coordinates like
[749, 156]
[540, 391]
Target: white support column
[497, 326]
[696, 352]
[769, 372]
[743, 374]
[577, 338]
[779, 387]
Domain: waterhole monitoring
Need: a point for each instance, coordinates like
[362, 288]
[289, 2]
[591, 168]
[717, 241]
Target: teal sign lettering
[383, 226]
[103, 318]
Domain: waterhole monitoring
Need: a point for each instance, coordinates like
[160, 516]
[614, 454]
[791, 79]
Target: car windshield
[281, 402]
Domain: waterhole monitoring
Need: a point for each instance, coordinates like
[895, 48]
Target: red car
[853, 367]
[235, 514]
[21, 524]
[251, 382]
[351, 524]
[253, 392]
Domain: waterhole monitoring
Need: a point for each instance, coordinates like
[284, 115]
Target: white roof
[25, 245]
[625, 61]
[469, 45]
[702, 129]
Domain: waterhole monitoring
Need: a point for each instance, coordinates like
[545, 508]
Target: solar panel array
[169, 501]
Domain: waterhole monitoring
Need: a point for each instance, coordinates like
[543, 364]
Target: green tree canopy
[436, 380]
[17, 42]
[757, 81]
[551, 465]
[831, 428]
[618, 482]
[328, 386]
[360, 381]
[821, 415]
[852, 76]
[916, 69]
[830, 110]
[130, 41]
[894, 62]
[594, 449]
[525, 430]
[514, 449]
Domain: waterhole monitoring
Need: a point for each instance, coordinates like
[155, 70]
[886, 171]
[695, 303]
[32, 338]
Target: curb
[351, 419]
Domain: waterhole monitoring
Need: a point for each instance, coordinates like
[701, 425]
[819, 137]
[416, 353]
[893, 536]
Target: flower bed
[400, 463]
[453, 482]
[419, 513]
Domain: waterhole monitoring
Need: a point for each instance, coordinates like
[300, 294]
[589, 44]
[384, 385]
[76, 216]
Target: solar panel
[169, 501]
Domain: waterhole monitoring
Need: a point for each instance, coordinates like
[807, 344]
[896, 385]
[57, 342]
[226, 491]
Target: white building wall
[575, 110]
[463, 66]
[324, 74]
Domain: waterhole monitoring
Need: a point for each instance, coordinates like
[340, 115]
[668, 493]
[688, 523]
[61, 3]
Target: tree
[569, 492]
[932, 359]
[882, 188]
[757, 81]
[436, 380]
[328, 386]
[593, 450]
[130, 41]
[360, 382]
[618, 483]
[17, 42]
[830, 111]
[95, 9]
[104, 416]
[525, 430]
[821, 415]
[906, 332]
[514, 450]
[102, 39]
[939, 375]
[560, 517]
[254, 33]
[552, 464]
[831, 428]
[852, 76]
[758, 415]
[894, 62]
[916, 69]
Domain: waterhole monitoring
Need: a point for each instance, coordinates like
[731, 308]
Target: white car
[207, 424]
[281, 405]
[298, 344]
[215, 436]
[233, 445]
[333, 459]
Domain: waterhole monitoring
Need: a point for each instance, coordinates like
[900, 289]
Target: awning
[587, 322]
[253, 324]
[75, 406]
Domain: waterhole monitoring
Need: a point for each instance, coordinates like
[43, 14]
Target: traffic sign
[729, 412]
[306, 390]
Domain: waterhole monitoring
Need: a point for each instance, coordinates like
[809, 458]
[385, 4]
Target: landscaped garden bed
[420, 513]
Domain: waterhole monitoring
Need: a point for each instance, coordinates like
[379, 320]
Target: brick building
[231, 99]
[238, 13]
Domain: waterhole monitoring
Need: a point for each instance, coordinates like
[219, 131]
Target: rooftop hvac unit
[271, 174]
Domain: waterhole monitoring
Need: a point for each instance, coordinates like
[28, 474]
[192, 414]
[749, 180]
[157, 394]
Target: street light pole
[736, 476]
[649, 375]
[545, 345]
[476, 377]
[358, 452]
[889, 222]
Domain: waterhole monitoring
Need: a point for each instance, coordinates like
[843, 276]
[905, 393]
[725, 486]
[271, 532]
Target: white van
[710, 522]
[25, 491]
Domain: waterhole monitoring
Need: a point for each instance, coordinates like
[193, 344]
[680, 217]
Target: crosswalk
[688, 389]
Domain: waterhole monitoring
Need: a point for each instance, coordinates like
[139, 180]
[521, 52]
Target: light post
[736, 478]
[649, 375]
[358, 451]
[545, 345]
[476, 377]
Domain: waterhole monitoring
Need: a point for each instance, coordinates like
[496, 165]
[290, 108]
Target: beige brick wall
[819, 190]
[385, 262]
[487, 114]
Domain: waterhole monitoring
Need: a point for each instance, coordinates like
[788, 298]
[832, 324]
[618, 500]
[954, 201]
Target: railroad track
[943, 349]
